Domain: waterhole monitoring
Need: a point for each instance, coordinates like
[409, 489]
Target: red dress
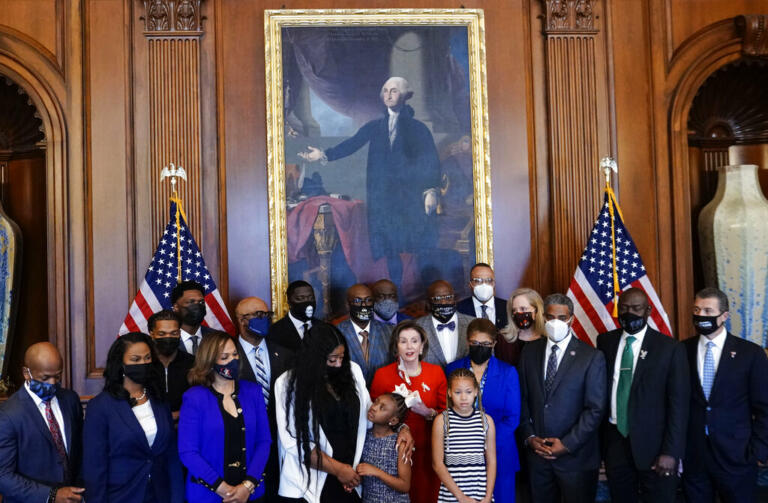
[432, 387]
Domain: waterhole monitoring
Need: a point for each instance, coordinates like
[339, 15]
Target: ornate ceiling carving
[21, 129]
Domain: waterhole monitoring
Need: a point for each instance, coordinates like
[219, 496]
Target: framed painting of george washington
[378, 150]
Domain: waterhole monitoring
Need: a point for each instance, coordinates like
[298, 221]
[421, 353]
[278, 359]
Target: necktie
[261, 374]
[306, 330]
[58, 440]
[194, 343]
[624, 387]
[551, 369]
[485, 311]
[708, 373]
[364, 344]
[451, 325]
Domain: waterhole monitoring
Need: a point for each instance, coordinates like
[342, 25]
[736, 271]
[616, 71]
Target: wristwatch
[249, 485]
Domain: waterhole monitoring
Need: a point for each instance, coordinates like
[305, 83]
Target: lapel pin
[733, 354]
[573, 353]
[424, 386]
[643, 354]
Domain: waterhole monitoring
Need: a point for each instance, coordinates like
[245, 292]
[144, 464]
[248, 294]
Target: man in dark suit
[41, 434]
[188, 301]
[165, 329]
[446, 329]
[386, 303]
[290, 329]
[367, 339]
[728, 420]
[483, 302]
[643, 437]
[563, 400]
[262, 361]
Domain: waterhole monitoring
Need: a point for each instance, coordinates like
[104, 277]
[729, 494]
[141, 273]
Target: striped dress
[464, 448]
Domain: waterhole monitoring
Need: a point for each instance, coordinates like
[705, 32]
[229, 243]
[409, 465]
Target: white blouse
[147, 421]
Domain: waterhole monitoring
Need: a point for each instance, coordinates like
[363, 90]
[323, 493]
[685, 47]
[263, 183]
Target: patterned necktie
[450, 326]
[551, 369]
[624, 387]
[364, 344]
[708, 373]
[261, 374]
[194, 344]
[485, 311]
[58, 440]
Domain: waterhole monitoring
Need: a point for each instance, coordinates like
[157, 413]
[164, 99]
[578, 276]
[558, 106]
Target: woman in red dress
[424, 387]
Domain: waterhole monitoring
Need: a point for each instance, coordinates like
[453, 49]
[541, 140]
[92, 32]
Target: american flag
[163, 274]
[598, 281]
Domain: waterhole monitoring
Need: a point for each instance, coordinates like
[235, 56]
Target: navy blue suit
[119, 466]
[29, 463]
[736, 417]
[501, 400]
[467, 306]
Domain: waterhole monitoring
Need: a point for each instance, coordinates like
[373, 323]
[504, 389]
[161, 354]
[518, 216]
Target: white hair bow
[411, 397]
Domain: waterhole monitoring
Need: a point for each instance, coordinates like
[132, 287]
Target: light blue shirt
[250, 354]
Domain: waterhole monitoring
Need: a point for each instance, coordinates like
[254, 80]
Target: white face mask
[557, 330]
[483, 292]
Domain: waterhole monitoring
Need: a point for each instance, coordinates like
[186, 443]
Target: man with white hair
[402, 178]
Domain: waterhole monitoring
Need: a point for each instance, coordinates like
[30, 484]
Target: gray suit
[435, 351]
[378, 347]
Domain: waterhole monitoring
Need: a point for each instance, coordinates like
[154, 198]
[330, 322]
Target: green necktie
[625, 385]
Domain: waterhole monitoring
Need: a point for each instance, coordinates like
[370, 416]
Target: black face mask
[631, 323]
[193, 314]
[333, 372]
[361, 313]
[523, 321]
[167, 345]
[479, 354]
[443, 312]
[139, 373]
[300, 312]
[706, 325]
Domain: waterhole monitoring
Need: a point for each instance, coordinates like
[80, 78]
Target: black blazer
[737, 411]
[466, 306]
[658, 398]
[203, 332]
[284, 333]
[575, 405]
[29, 463]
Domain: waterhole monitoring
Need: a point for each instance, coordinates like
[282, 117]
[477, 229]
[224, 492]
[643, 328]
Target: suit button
[709, 408]
[546, 405]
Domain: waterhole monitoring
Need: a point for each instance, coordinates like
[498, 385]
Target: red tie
[58, 441]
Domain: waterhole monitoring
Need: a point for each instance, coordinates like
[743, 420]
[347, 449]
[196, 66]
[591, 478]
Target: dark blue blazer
[201, 438]
[378, 347]
[466, 306]
[501, 400]
[737, 410]
[119, 466]
[29, 463]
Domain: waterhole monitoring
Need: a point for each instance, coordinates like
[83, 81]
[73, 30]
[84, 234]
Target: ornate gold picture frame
[378, 150]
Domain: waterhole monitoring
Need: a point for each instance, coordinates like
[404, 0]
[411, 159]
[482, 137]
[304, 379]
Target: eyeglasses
[257, 314]
[480, 281]
[442, 298]
[481, 344]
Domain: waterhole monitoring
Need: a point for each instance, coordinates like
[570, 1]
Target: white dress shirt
[717, 351]
[186, 338]
[636, 345]
[56, 413]
[299, 324]
[358, 330]
[250, 354]
[449, 340]
[561, 347]
[146, 418]
[392, 125]
[490, 308]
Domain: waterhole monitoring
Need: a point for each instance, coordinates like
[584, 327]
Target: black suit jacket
[203, 332]
[737, 411]
[574, 407]
[284, 333]
[466, 306]
[29, 463]
[658, 398]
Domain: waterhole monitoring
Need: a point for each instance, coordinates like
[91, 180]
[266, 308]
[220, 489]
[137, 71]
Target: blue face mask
[45, 391]
[228, 371]
[259, 326]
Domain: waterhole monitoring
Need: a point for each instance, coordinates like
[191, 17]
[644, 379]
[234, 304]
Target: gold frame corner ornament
[274, 21]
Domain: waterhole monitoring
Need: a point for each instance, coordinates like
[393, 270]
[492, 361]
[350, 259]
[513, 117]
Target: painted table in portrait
[378, 162]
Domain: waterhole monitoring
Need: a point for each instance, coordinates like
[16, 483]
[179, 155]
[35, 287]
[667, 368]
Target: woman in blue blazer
[129, 443]
[500, 398]
[224, 435]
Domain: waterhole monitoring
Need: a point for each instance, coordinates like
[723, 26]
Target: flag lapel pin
[643, 354]
[573, 353]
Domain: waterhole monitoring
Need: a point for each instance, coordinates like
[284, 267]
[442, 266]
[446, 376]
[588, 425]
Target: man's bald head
[384, 289]
[44, 362]
[245, 310]
[635, 301]
[439, 288]
[360, 291]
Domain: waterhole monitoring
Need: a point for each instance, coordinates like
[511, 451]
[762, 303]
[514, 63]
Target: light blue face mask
[386, 308]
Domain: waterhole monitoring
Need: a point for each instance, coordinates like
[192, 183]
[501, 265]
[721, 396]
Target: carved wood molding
[754, 31]
[172, 17]
[21, 129]
[569, 16]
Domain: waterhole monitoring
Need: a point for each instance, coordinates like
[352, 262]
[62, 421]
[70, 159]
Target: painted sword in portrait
[379, 172]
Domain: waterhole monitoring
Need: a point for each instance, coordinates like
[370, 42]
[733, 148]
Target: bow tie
[450, 326]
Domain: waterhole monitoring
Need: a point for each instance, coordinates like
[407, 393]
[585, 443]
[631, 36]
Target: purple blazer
[201, 438]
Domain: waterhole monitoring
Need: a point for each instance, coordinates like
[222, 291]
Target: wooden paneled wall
[108, 88]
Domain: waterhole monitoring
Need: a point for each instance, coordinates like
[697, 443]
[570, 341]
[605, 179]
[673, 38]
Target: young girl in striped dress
[464, 444]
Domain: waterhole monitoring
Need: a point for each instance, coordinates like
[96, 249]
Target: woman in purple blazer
[224, 434]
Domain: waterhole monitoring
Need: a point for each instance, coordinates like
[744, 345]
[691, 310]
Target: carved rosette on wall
[754, 30]
[173, 29]
[575, 183]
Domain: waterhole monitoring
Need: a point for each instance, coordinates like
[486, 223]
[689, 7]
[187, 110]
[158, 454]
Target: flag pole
[608, 164]
[174, 172]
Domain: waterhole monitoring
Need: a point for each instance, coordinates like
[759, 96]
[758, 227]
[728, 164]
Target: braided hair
[462, 373]
[401, 409]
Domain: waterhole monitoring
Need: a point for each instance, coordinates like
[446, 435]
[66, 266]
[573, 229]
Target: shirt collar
[357, 328]
[392, 113]
[454, 318]
[638, 336]
[477, 303]
[719, 339]
[297, 322]
[247, 346]
[185, 336]
[562, 344]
